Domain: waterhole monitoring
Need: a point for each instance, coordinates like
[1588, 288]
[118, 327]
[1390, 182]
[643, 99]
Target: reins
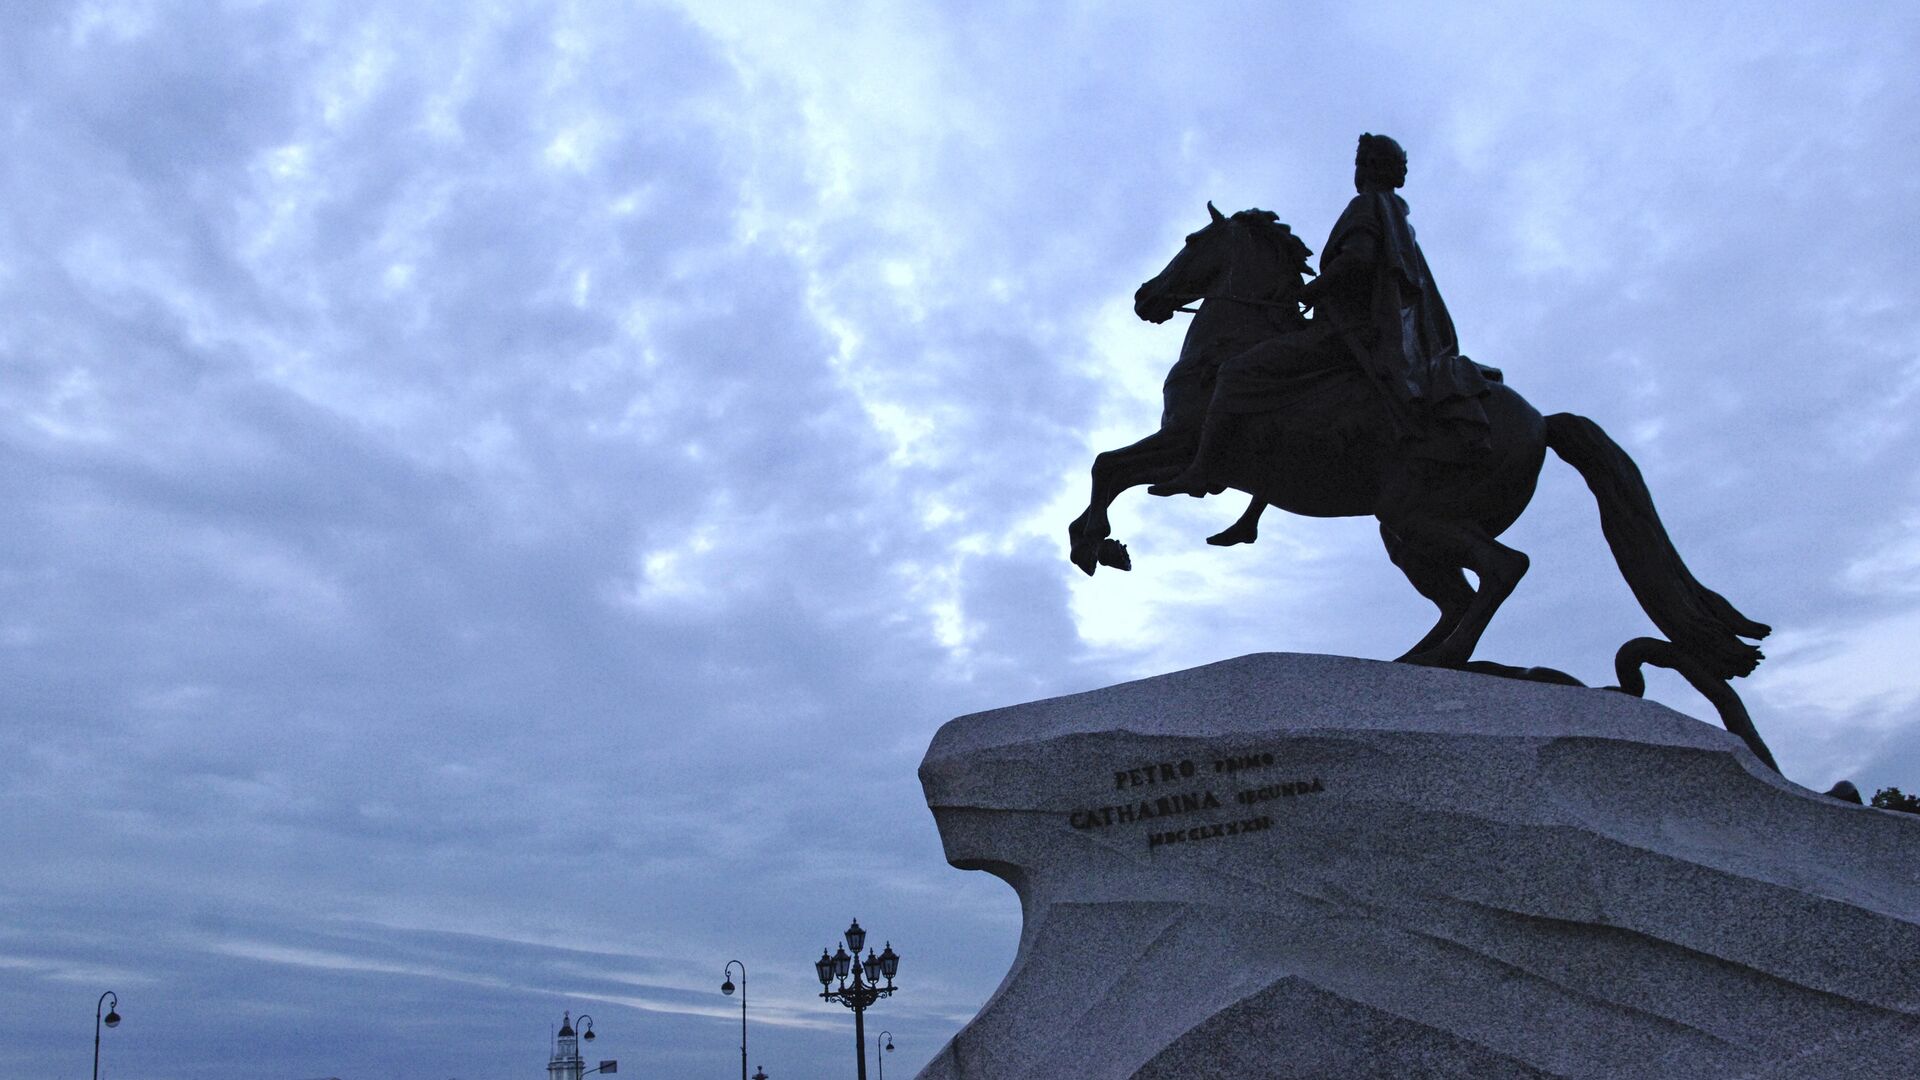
[1295, 305]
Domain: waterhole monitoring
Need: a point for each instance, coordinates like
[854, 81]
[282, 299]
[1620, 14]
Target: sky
[499, 496]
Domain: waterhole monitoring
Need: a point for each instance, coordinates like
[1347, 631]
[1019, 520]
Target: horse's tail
[1696, 619]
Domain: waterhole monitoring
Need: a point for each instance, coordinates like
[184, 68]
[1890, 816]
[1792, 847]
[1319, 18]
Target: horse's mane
[1266, 225]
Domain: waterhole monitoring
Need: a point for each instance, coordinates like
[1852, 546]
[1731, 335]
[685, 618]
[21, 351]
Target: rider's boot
[1195, 480]
[1244, 531]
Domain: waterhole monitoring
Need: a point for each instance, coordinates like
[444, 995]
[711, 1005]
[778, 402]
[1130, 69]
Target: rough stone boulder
[1313, 866]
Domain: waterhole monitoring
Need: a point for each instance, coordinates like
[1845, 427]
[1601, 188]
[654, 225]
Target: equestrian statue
[1369, 409]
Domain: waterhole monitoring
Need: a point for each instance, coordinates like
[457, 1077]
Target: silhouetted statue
[1376, 302]
[1370, 409]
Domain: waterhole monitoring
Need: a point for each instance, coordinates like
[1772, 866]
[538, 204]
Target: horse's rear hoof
[1114, 553]
[1435, 657]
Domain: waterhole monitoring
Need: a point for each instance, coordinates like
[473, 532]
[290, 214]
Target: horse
[1331, 448]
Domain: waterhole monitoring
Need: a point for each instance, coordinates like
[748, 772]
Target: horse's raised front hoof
[1114, 553]
[1086, 557]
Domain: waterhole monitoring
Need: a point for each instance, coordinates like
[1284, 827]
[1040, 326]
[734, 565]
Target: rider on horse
[1377, 306]
[1369, 410]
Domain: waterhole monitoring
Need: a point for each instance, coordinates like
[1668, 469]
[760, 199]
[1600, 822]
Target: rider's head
[1379, 163]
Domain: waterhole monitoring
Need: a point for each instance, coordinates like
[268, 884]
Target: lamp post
[727, 988]
[858, 994]
[882, 1041]
[112, 1019]
[567, 1064]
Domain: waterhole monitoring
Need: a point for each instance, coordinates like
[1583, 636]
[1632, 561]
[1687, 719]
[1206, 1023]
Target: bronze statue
[1377, 302]
[1369, 408]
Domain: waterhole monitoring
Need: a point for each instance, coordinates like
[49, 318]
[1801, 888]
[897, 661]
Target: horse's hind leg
[1440, 582]
[1461, 544]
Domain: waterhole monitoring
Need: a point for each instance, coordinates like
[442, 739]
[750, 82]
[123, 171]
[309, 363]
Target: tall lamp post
[727, 988]
[112, 1019]
[882, 1041]
[858, 994]
[567, 1064]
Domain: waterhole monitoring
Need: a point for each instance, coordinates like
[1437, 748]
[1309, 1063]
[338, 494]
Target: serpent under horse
[1331, 449]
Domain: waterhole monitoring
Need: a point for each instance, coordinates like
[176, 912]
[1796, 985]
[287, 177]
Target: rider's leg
[1244, 531]
[1195, 479]
[1232, 381]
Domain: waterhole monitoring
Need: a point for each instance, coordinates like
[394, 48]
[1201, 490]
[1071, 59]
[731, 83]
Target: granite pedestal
[1313, 866]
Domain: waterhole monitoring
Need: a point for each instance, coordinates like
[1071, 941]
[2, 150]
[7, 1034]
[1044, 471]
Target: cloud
[501, 495]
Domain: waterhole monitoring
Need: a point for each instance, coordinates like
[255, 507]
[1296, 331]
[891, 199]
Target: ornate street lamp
[858, 994]
[112, 1019]
[567, 1064]
[882, 1041]
[586, 1027]
[727, 988]
[759, 1073]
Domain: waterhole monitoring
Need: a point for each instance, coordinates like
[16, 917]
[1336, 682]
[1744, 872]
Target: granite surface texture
[1313, 866]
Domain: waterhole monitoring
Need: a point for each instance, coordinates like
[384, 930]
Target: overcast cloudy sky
[499, 496]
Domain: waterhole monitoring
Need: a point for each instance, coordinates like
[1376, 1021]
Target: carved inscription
[1187, 802]
[1164, 772]
[1278, 791]
[1137, 807]
[1209, 832]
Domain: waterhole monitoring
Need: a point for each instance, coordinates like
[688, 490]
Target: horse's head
[1249, 256]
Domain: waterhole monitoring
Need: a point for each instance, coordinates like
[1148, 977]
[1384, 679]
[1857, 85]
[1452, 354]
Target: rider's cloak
[1401, 334]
